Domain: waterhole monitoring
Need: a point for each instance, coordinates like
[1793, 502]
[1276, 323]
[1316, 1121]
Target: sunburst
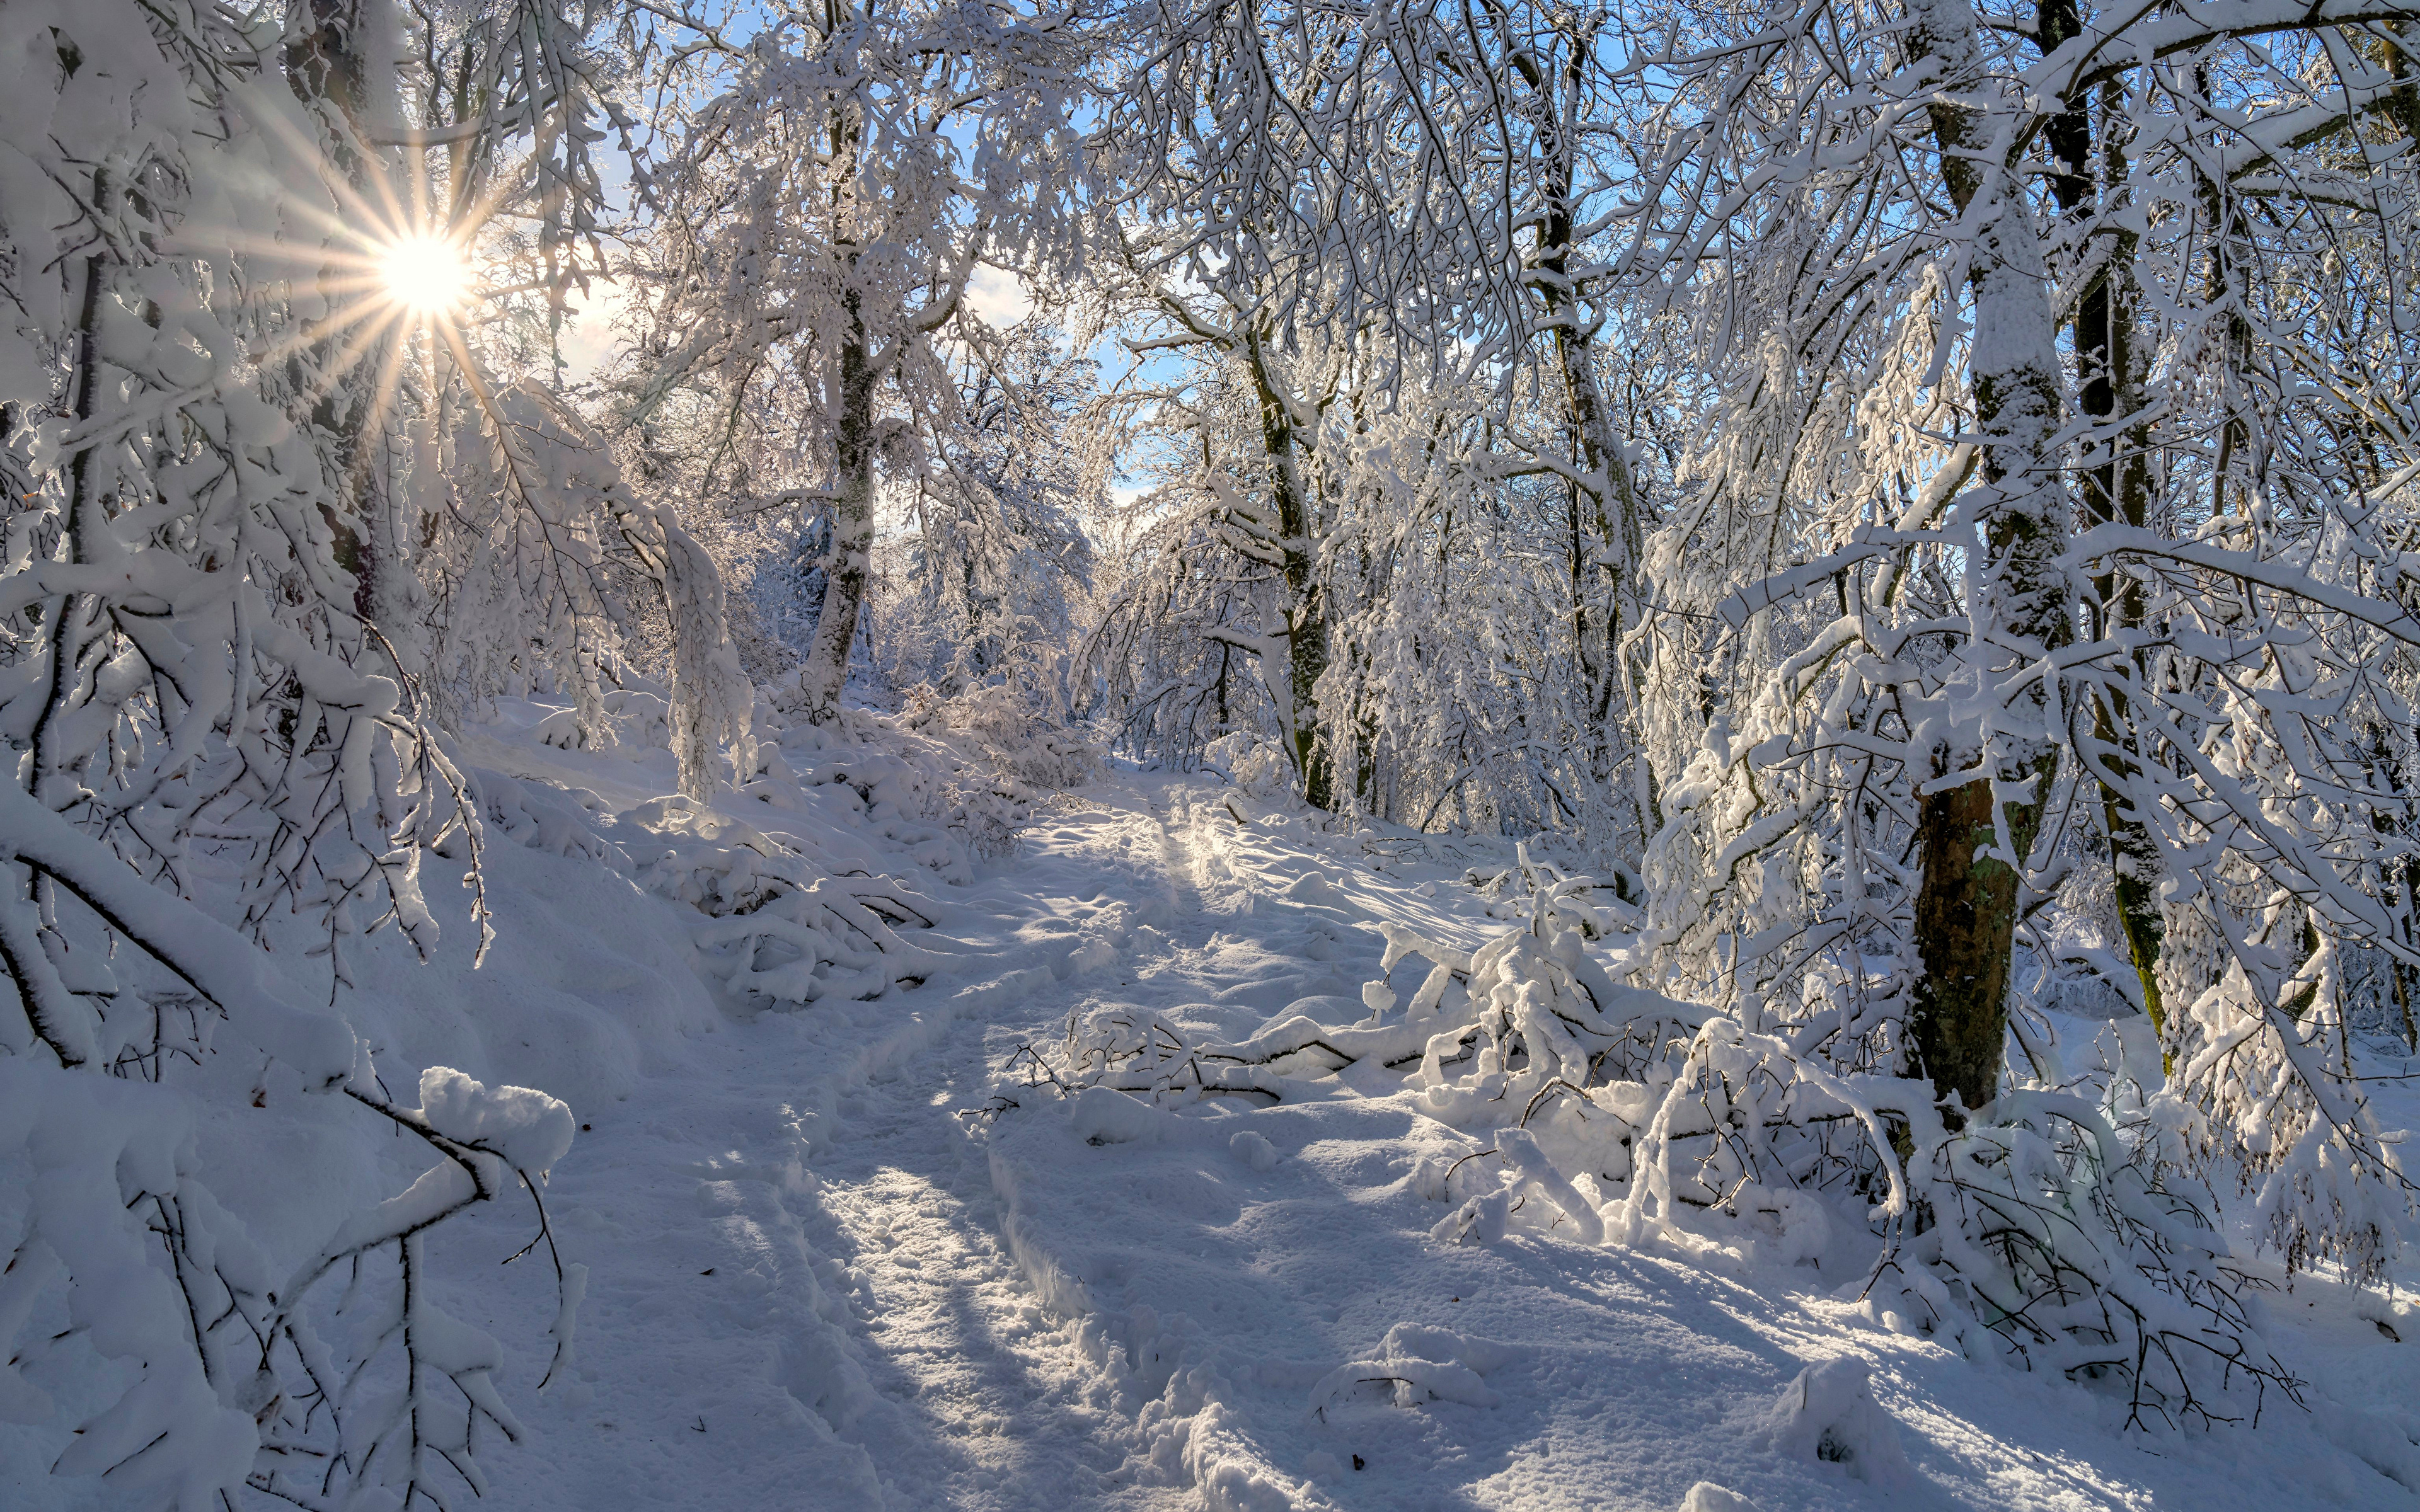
[425, 274]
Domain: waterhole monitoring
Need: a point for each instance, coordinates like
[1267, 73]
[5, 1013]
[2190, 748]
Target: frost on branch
[2269, 1091]
[537, 547]
[339, 1427]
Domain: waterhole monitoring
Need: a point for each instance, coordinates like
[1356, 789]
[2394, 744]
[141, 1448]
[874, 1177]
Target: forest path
[799, 1291]
[998, 1399]
[1009, 1401]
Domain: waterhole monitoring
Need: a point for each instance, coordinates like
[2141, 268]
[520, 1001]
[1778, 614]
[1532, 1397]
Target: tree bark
[1965, 907]
[1306, 613]
[1608, 495]
[2116, 488]
[328, 61]
[849, 388]
[853, 376]
[1966, 916]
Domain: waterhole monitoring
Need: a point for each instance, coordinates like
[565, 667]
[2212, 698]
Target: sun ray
[389, 382]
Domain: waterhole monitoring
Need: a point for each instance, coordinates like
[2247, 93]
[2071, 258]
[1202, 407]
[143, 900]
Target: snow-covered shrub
[533, 545]
[2051, 1232]
[1415, 1364]
[997, 722]
[1252, 762]
[797, 913]
[515, 810]
[2034, 1221]
[336, 1427]
[232, 1383]
[1828, 1413]
[946, 807]
[809, 874]
[2267, 1068]
[1608, 1113]
[835, 936]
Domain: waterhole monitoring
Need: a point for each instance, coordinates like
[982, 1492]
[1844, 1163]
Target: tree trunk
[1965, 907]
[2116, 488]
[2402, 103]
[2135, 858]
[826, 672]
[1609, 496]
[1306, 614]
[329, 61]
[1965, 915]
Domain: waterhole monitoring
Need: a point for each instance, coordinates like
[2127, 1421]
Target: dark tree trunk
[1965, 905]
[329, 61]
[2116, 488]
[1306, 613]
[1608, 534]
[826, 672]
[1964, 916]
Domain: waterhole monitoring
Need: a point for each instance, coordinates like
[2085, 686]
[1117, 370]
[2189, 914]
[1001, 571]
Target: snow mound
[529, 1129]
[1828, 1413]
[1254, 1149]
[1415, 1365]
[1102, 1116]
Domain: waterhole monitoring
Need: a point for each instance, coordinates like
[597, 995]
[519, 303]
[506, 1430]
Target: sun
[425, 274]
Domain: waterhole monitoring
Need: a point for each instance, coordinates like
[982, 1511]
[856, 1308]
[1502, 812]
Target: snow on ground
[1231, 1289]
[829, 1268]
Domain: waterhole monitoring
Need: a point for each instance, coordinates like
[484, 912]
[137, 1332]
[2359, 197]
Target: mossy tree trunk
[2117, 487]
[1974, 834]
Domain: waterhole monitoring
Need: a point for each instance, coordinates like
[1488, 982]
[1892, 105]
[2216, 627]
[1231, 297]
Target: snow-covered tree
[2026, 513]
[987, 584]
[831, 184]
[217, 745]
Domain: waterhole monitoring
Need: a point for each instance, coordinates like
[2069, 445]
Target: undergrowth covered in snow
[2036, 1231]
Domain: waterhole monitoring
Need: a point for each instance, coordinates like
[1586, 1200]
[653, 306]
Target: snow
[842, 1255]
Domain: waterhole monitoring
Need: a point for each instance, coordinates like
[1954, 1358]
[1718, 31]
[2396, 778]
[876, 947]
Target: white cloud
[998, 296]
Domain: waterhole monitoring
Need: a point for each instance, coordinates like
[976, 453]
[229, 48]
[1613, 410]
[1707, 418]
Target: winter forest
[1149, 754]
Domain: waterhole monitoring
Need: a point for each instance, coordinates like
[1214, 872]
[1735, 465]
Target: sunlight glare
[425, 274]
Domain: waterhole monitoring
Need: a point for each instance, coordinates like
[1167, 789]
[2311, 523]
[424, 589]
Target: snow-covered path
[1012, 1411]
[998, 1403]
[799, 1291]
